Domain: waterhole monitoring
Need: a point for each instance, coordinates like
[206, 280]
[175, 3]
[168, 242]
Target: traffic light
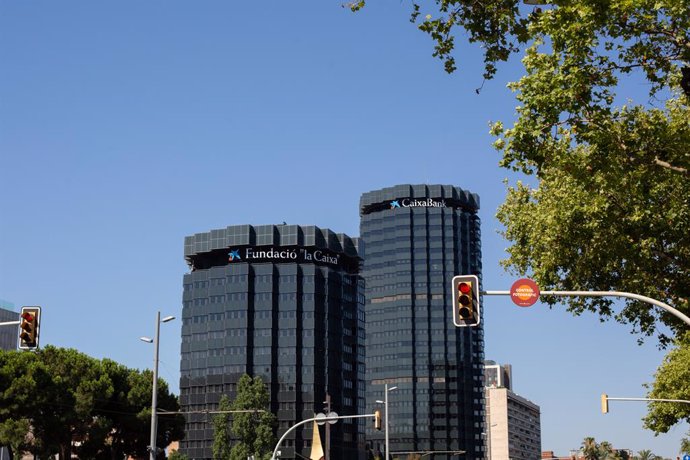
[377, 419]
[604, 403]
[466, 300]
[29, 327]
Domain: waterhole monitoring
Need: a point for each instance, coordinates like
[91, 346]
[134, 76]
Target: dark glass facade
[9, 335]
[417, 237]
[284, 302]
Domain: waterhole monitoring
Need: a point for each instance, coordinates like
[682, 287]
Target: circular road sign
[320, 418]
[524, 292]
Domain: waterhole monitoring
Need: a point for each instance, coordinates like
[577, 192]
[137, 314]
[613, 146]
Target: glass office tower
[9, 335]
[417, 237]
[284, 302]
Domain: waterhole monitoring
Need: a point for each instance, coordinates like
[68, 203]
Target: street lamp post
[385, 421]
[154, 391]
[328, 427]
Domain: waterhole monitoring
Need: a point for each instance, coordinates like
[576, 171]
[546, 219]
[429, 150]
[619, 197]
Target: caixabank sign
[417, 203]
[409, 202]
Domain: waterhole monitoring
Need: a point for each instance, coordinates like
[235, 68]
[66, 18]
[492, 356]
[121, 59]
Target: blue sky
[125, 126]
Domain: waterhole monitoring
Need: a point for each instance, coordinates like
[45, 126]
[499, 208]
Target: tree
[176, 455]
[646, 454]
[685, 446]
[592, 450]
[56, 396]
[50, 395]
[609, 221]
[610, 208]
[605, 204]
[670, 382]
[13, 436]
[221, 430]
[128, 413]
[17, 384]
[254, 430]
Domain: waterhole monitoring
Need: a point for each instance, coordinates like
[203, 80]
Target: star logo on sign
[234, 255]
[395, 204]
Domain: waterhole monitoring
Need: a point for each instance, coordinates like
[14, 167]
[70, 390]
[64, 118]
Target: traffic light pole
[628, 295]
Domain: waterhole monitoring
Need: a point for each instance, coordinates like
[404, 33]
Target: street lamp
[385, 409]
[154, 391]
[327, 402]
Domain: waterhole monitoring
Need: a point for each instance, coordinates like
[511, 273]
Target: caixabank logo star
[234, 255]
[395, 204]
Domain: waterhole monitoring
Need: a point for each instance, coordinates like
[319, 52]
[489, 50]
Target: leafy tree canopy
[176, 455]
[592, 450]
[611, 206]
[55, 396]
[608, 37]
[254, 430]
[221, 430]
[646, 454]
[671, 383]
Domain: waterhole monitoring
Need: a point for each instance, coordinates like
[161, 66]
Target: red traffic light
[28, 328]
[465, 291]
[466, 300]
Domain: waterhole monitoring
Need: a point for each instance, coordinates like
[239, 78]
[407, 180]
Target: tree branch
[668, 165]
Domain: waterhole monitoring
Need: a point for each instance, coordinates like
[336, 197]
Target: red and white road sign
[524, 292]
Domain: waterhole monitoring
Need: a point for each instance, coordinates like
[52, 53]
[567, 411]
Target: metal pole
[385, 404]
[684, 401]
[328, 428]
[628, 295]
[154, 391]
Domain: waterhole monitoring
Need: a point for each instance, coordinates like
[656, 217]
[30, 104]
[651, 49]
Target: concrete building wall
[514, 426]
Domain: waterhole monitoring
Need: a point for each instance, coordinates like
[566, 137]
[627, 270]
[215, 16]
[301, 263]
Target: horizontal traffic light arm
[315, 419]
[628, 295]
[10, 323]
[684, 401]
[605, 401]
